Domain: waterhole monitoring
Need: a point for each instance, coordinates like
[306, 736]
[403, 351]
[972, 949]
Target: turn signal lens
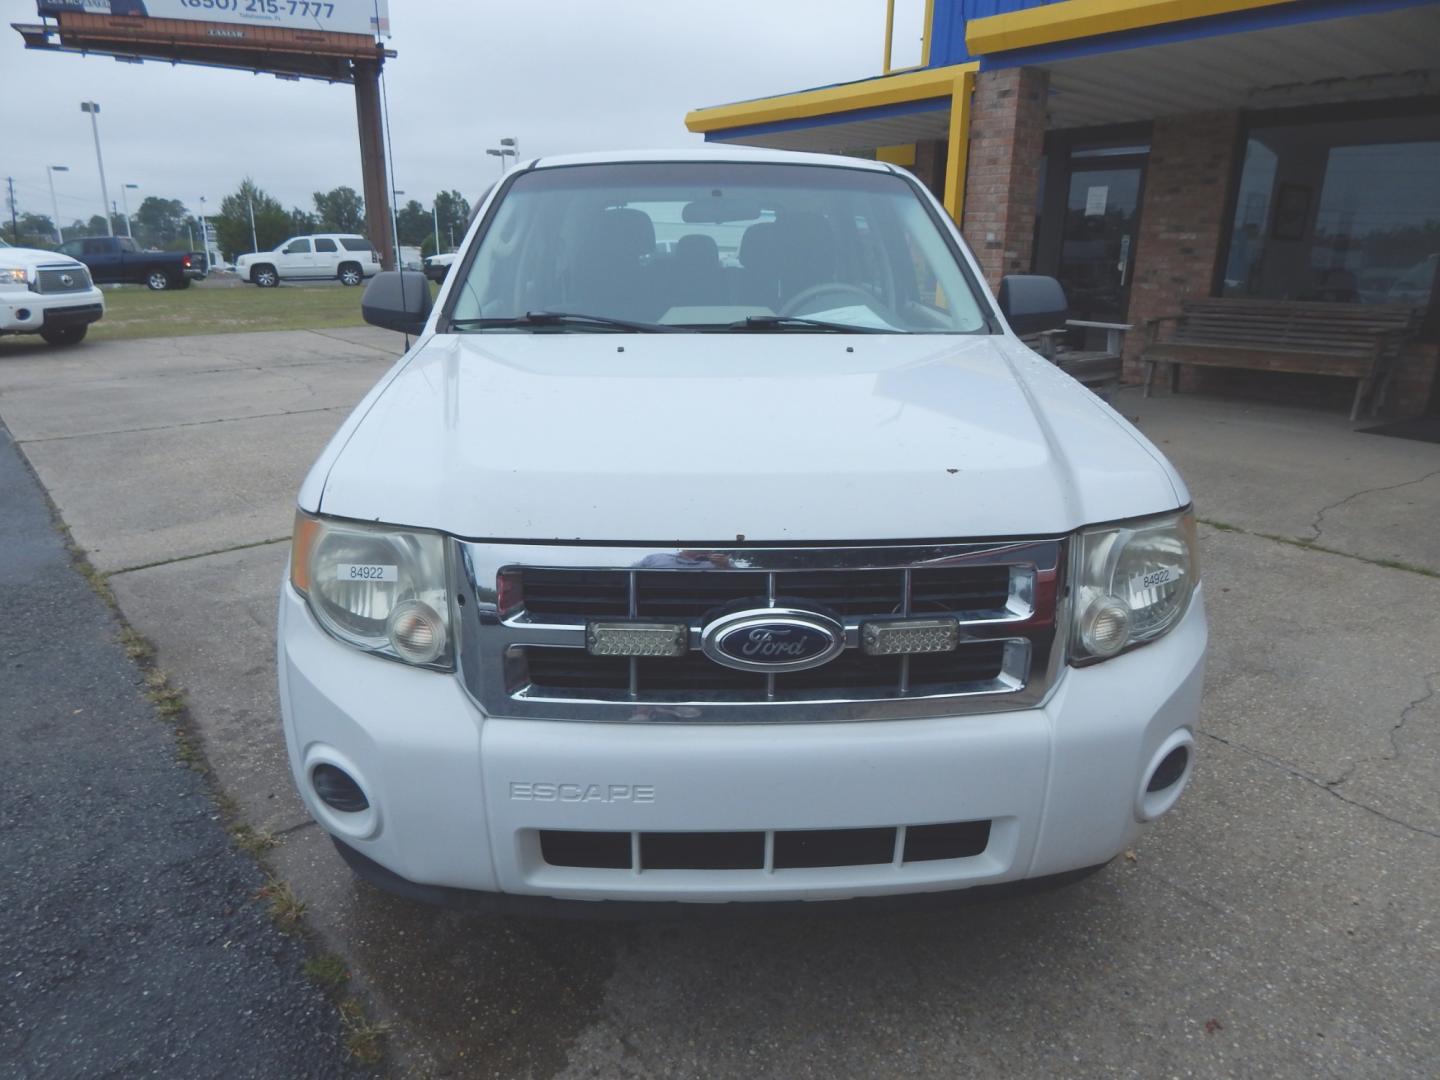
[416, 632]
[1105, 627]
[307, 530]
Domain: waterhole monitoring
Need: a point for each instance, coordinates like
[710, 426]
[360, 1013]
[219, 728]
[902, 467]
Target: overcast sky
[559, 75]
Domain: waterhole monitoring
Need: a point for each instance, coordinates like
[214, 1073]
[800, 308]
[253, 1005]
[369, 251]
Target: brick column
[930, 165]
[1183, 220]
[1007, 140]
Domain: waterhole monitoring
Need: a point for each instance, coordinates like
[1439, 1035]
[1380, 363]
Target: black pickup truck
[117, 259]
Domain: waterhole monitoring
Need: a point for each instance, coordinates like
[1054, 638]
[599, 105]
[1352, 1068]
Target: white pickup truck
[718, 540]
[47, 294]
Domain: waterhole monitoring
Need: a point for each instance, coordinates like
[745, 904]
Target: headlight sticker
[366, 572]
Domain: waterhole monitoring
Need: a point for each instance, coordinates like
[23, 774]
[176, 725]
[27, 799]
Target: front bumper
[29, 312]
[457, 799]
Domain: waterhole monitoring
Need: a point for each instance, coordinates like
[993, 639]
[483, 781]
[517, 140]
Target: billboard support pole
[372, 160]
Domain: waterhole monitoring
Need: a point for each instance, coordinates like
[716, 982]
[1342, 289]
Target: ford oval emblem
[773, 640]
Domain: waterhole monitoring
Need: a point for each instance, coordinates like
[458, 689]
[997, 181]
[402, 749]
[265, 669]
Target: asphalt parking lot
[1282, 922]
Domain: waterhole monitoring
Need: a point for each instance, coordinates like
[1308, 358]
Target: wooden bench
[1347, 341]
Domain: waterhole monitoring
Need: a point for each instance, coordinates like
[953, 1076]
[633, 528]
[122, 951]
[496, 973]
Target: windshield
[710, 246]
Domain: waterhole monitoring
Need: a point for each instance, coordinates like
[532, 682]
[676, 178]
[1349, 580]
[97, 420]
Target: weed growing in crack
[329, 970]
[286, 909]
[135, 644]
[253, 841]
[364, 1038]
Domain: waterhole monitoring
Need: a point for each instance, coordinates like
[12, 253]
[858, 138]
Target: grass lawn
[134, 311]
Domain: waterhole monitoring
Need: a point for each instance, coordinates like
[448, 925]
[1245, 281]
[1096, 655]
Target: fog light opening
[338, 790]
[1171, 768]
[1166, 777]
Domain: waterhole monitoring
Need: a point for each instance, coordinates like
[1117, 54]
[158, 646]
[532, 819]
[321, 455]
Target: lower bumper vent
[789, 849]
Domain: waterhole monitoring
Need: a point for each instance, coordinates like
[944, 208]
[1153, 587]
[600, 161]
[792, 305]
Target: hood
[35, 259]
[714, 437]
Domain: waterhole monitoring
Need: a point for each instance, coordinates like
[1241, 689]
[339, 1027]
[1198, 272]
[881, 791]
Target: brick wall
[1182, 219]
[1007, 140]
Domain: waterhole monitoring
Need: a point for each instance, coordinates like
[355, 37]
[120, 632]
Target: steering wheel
[794, 305]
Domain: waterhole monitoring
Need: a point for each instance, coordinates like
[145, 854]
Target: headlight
[15, 276]
[1133, 582]
[380, 589]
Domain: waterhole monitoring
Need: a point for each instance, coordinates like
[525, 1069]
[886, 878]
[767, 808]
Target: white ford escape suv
[718, 540]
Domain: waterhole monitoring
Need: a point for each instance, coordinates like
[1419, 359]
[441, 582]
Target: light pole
[435, 220]
[93, 108]
[502, 153]
[125, 202]
[254, 241]
[395, 194]
[514, 145]
[50, 171]
[204, 233]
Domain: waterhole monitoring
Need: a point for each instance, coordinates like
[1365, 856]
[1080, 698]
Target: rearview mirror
[1032, 303]
[718, 210]
[397, 300]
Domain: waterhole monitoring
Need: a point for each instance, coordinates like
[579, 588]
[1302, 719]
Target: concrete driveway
[1282, 922]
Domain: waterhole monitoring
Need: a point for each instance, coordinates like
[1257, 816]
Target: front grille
[52, 281]
[778, 849]
[524, 646]
[550, 671]
[692, 594]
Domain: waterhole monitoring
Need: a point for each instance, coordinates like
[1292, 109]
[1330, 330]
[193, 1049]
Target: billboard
[370, 17]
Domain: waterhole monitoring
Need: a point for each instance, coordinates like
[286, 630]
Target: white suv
[351, 259]
[644, 577]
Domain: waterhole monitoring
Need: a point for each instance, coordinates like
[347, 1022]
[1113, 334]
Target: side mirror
[1032, 303]
[397, 300]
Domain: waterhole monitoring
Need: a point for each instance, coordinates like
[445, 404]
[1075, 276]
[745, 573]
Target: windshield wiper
[778, 324]
[563, 320]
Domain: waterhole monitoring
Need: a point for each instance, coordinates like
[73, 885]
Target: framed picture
[1292, 211]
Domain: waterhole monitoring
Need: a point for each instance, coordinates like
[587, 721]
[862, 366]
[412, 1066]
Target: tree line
[166, 224]
[340, 210]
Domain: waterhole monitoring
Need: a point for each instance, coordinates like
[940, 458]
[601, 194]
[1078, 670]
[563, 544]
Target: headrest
[760, 247]
[697, 249]
[620, 232]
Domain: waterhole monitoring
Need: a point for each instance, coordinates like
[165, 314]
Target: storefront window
[1343, 211]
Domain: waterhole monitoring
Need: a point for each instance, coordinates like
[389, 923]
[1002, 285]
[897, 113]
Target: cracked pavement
[1280, 922]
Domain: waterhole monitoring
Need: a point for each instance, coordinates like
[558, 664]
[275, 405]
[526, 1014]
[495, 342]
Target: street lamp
[254, 240]
[204, 233]
[502, 153]
[395, 194]
[125, 202]
[50, 171]
[513, 144]
[93, 108]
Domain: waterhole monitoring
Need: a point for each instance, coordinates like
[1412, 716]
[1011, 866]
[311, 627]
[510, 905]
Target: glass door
[1098, 238]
